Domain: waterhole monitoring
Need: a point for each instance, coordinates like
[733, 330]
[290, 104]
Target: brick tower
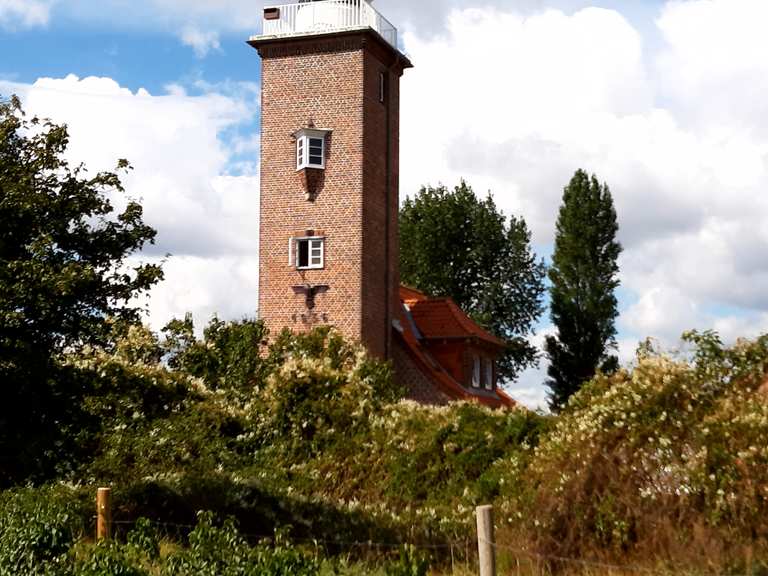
[329, 170]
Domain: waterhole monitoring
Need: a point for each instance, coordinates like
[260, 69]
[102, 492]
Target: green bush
[223, 551]
[667, 459]
[322, 390]
[109, 558]
[228, 357]
[39, 527]
[439, 453]
[411, 563]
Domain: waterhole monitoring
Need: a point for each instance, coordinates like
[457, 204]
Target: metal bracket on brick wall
[310, 292]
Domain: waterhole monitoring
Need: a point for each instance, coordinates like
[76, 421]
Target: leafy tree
[228, 356]
[583, 279]
[63, 274]
[454, 244]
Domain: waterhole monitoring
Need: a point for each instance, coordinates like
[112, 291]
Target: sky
[666, 102]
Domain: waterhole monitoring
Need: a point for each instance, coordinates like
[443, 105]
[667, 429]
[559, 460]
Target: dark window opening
[382, 87]
[303, 256]
[316, 151]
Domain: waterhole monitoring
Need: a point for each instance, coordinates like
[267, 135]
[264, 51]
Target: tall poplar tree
[583, 280]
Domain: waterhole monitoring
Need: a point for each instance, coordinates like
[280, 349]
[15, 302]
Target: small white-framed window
[476, 371]
[310, 252]
[310, 148]
[488, 374]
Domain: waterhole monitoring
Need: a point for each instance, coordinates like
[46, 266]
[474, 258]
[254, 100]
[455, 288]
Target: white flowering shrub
[665, 456]
[322, 389]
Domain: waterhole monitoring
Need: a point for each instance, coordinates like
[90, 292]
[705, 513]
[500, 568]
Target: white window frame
[476, 371]
[303, 145]
[295, 247]
[488, 374]
[301, 152]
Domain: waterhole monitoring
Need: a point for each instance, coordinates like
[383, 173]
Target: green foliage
[63, 250]
[449, 453]
[667, 459]
[454, 244]
[411, 563]
[136, 415]
[228, 356]
[670, 454]
[223, 551]
[144, 539]
[324, 388]
[583, 279]
[108, 558]
[38, 529]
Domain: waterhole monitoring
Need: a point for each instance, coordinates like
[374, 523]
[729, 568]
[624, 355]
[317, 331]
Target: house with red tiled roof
[442, 355]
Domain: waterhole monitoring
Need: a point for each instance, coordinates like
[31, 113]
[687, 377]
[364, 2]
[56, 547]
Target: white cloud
[24, 13]
[207, 220]
[225, 286]
[515, 104]
[714, 67]
[201, 41]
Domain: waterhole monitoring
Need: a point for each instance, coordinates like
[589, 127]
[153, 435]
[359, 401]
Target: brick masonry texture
[332, 81]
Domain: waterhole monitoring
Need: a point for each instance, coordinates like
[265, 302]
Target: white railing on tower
[326, 16]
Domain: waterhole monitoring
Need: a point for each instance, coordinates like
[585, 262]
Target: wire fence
[459, 554]
[549, 564]
[180, 528]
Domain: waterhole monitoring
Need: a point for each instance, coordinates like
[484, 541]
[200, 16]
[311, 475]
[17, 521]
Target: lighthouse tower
[329, 170]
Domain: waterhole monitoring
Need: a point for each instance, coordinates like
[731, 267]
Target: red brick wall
[380, 209]
[332, 80]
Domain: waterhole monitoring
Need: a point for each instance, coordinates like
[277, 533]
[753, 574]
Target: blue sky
[667, 101]
[134, 58]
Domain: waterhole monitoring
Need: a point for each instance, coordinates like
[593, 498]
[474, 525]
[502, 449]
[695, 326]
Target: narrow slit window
[476, 371]
[310, 253]
[382, 87]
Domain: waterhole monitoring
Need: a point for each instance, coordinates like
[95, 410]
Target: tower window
[310, 148]
[382, 87]
[310, 253]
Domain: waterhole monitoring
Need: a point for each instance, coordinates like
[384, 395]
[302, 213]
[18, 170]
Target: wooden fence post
[103, 514]
[485, 541]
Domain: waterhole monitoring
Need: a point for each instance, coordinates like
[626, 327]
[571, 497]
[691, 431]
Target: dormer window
[311, 148]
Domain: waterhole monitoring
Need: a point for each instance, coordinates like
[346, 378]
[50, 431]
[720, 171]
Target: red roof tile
[442, 318]
[408, 294]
